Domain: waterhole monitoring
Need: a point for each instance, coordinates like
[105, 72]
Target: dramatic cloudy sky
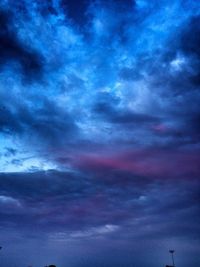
[99, 133]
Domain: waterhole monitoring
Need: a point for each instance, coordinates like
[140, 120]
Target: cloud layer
[99, 130]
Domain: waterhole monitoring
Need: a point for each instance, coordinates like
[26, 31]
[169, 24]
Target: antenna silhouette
[171, 251]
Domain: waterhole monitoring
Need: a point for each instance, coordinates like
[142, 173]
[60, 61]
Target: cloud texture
[99, 131]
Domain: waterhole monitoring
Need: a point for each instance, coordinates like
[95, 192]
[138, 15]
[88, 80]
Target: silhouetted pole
[172, 253]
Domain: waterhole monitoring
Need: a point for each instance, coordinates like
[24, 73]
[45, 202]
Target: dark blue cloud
[67, 206]
[12, 50]
[190, 37]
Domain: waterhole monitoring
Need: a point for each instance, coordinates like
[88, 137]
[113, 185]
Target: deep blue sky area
[99, 133]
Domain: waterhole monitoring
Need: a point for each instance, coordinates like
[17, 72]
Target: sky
[99, 133]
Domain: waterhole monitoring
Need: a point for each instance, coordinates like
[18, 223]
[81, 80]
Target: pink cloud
[157, 163]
